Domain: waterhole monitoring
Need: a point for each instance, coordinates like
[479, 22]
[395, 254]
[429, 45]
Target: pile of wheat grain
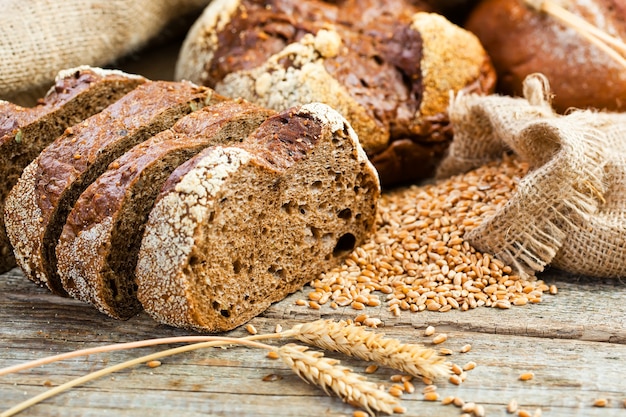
[418, 258]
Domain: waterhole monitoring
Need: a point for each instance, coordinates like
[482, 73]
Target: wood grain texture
[574, 343]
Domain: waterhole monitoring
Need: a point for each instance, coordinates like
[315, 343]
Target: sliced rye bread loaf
[38, 205]
[238, 227]
[77, 94]
[97, 251]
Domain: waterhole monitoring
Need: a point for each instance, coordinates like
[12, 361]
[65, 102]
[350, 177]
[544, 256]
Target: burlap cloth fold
[40, 37]
[569, 211]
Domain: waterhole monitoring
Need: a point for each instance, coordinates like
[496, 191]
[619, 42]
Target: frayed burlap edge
[557, 204]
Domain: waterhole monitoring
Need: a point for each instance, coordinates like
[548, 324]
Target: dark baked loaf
[239, 227]
[522, 41]
[77, 94]
[97, 250]
[389, 71]
[39, 203]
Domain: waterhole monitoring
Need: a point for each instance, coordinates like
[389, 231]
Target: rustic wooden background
[574, 343]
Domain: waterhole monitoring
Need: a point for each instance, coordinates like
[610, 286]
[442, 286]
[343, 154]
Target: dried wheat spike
[324, 372]
[414, 359]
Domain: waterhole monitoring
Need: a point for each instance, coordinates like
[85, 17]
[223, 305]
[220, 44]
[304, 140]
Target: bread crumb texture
[452, 59]
[22, 220]
[171, 228]
[250, 223]
[82, 263]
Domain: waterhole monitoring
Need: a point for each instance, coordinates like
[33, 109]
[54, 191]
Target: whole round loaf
[522, 41]
[389, 72]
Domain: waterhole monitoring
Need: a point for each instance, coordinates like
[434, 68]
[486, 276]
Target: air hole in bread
[288, 207]
[345, 214]
[237, 266]
[315, 232]
[194, 261]
[344, 245]
[316, 185]
[225, 313]
[276, 271]
[303, 208]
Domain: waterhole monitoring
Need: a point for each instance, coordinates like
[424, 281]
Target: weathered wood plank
[574, 342]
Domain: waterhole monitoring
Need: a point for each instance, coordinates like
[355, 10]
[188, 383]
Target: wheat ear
[356, 341]
[352, 388]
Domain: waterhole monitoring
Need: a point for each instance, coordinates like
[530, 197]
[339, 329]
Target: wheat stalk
[311, 366]
[356, 341]
[352, 388]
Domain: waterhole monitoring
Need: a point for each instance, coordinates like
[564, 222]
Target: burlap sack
[40, 37]
[570, 210]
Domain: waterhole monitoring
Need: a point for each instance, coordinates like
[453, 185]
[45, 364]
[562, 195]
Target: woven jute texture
[569, 211]
[40, 37]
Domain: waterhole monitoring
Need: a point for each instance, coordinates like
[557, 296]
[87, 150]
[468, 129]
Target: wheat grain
[447, 400]
[526, 376]
[600, 402]
[413, 359]
[153, 364]
[371, 369]
[511, 406]
[325, 373]
[418, 258]
[466, 348]
[469, 366]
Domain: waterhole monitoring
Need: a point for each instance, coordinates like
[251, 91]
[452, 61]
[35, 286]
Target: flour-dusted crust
[76, 94]
[40, 201]
[201, 41]
[305, 81]
[98, 247]
[452, 59]
[389, 72]
[240, 227]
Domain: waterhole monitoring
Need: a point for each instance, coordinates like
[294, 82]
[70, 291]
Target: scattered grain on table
[526, 376]
[418, 259]
[600, 402]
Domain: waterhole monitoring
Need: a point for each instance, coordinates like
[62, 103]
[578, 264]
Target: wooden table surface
[574, 343]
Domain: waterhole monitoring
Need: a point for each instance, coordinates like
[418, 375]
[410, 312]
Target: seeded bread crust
[39, 203]
[77, 94]
[98, 247]
[237, 228]
[389, 72]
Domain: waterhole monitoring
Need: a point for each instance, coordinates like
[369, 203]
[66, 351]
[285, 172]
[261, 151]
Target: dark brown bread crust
[380, 64]
[410, 158]
[98, 248]
[383, 64]
[24, 132]
[521, 42]
[263, 28]
[43, 197]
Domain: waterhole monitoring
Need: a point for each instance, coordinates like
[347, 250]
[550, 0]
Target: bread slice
[238, 227]
[39, 203]
[24, 131]
[97, 251]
